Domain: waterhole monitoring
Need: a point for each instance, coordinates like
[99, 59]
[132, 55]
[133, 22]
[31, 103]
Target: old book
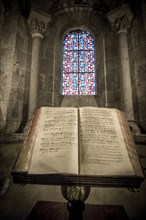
[87, 145]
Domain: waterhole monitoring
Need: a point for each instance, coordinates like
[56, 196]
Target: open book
[87, 145]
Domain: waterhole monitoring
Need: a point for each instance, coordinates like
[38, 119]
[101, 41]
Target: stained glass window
[78, 64]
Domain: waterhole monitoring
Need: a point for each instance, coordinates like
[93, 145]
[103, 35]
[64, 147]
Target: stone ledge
[140, 138]
[11, 138]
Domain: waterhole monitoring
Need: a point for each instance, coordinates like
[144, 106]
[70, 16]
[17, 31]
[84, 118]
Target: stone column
[38, 24]
[120, 20]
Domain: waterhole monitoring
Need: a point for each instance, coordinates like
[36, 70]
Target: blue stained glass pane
[71, 42]
[86, 61]
[70, 61]
[70, 84]
[86, 83]
[86, 41]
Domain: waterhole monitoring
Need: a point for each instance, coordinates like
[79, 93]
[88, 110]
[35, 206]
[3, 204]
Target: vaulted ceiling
[50, 6]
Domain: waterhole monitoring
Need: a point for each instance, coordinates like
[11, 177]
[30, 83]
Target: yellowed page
[56, 145]
[102, 147]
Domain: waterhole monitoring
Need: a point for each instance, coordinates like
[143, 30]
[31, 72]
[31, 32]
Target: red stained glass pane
[70, 84]
[70, 61]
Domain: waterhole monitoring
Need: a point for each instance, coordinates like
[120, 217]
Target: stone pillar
[38, 22]
[120, 20]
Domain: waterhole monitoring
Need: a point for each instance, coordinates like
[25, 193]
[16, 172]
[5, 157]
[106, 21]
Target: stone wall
[14, 71]
[8, 41]
[108, 88]
[45, 78]
[137, 52]
[112, 71]
[23, 49]
[16, 49]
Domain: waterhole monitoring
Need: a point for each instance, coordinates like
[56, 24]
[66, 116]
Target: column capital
[38, 22]
[120, 19]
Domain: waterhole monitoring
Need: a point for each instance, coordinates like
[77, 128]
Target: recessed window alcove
[87, 82]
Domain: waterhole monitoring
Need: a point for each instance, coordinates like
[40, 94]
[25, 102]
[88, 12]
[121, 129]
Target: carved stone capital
[38, 22]
[37, 26]
[120, 18]
[121, 24]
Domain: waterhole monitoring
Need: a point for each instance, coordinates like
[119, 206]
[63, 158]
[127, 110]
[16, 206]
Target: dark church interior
[32, 71]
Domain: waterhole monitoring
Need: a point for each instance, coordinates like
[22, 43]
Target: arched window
[78, 64]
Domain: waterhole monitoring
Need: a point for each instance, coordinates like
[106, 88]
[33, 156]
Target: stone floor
[16, 201]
